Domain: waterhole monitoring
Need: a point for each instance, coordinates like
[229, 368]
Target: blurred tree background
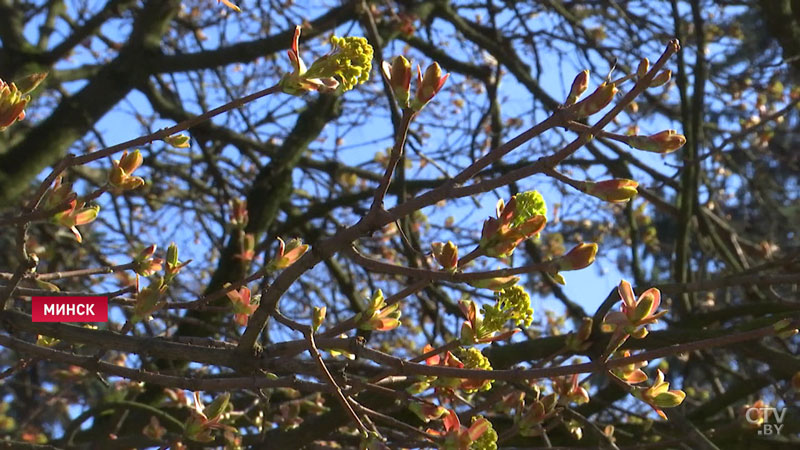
[714, 227]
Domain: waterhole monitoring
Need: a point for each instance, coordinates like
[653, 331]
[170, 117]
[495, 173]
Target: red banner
[69, 309]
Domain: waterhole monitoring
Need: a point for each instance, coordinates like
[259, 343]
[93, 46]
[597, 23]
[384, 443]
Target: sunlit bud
[172, 254]
[579, 86]
[581, 256]
[644, 67]
[121, 170]
[74, 216]
[643, 308]
[30, 82]
[399, 75]
[318, 317]
[428, 86]
[178, 141]
[615, 191]
[148, 252]
[495, 284]
[446, 254]
[12, 104]
[130, 161]
[669, 399]
[144, 263]
[599, 99]
[662, 142]
[287, 254]
[661, 79]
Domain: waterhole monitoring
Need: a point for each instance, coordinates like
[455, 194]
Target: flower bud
[399, 75]
[599, 99]
[495, 284]
[661, 79]
[446, 254]
[318, 317]
[172, 255]
[615, 191]
[149, 251]
[644, 67]
[579, 86]
[643, 308]
[581, 256]
[669, 399]
[12, 104]
[178, 141]
[428, 86]
[130, 161]
[662, 142]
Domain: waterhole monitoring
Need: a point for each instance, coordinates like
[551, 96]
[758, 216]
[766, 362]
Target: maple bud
[615, 191]
[428, 86]
[121, 170]
[172, 255]
[446, 254]
[581, 256]
[130, 161]
[12, 104]
[178, 141]
[669, 399]
[661, 79]
[644, 67]
[495, 284]
[599, 99]
[144, 263]
[287, 254]
[318, 317]
[399, 75]
[662, 142]
[579, 86]
[644, 308]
